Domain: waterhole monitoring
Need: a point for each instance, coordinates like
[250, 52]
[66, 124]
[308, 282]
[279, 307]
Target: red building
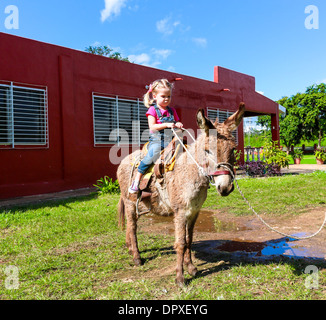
[62, 110]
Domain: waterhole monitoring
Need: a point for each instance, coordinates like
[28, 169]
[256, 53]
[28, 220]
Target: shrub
[275, 156]
[107, 186]
[260, 169]
[237, 156]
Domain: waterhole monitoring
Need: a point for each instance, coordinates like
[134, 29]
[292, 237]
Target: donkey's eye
[209, 152]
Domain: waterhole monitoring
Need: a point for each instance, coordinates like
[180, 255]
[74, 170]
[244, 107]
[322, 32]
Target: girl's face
[162, 97]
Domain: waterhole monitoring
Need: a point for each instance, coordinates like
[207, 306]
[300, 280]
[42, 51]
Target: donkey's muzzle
[224, 191]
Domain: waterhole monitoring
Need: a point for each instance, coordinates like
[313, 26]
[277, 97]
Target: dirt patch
[223, 236]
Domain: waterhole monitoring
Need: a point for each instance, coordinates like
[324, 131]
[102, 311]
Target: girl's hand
[179, 125]
[170, 125]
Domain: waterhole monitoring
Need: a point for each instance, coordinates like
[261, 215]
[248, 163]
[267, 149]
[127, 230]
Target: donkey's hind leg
[131, 233]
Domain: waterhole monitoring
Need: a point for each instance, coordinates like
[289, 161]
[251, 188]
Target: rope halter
[227, 166]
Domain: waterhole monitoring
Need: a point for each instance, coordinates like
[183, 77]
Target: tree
[312, 108]
[106, 52]
[265, 122]
[305, 116]
[291, 125]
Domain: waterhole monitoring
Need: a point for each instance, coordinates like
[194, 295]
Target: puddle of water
[206, 222]
[280, 247]
[289, 247]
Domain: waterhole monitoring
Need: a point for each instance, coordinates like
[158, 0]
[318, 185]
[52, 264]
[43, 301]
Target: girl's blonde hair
[157, 84]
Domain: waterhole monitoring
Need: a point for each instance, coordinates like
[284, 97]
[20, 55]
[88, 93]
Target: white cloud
[142, 59]
[112, 7]
[166, 26]
[200, 42]
[134, 8]
[261, 92]
[161, 53]
[152, 59]
[96, 43]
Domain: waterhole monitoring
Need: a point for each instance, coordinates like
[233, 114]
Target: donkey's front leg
[192, 270]
[180, 244]
[131, 234]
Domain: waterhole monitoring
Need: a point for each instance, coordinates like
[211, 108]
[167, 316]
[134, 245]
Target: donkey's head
[219, 145]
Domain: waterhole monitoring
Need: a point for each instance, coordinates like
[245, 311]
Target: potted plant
[320, 155]
[274, 155]
[297, 156]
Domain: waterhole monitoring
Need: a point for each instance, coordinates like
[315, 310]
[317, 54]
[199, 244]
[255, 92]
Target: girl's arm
[153, 126]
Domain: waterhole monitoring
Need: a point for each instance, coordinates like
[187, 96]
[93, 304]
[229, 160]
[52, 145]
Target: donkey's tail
[121, 210]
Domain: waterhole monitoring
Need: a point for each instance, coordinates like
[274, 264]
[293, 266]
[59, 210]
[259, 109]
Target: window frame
[121, 108]
[28, 120]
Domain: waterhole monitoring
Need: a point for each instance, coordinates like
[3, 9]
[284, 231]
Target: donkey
[185, 189]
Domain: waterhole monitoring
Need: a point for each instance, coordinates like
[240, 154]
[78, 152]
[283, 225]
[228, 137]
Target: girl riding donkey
[209, 159]
[160, 117]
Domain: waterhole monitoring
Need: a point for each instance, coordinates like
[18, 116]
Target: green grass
[73, 249]
[307, 159]
[272, 281]
[279, 195]
[51, 244]
[70, 249]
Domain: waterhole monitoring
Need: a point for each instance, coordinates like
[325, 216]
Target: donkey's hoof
[192, 270]
[137, 262]
[180, 282]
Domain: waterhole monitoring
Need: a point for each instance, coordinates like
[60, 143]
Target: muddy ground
[233, 239]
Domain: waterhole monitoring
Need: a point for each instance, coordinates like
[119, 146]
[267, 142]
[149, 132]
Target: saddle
[165, 163]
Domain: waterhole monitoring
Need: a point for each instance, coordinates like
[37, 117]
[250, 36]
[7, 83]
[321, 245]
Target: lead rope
[224, 165]
[270, 227]
[201, 169]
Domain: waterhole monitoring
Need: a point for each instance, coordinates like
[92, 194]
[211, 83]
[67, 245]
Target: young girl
[160, 117]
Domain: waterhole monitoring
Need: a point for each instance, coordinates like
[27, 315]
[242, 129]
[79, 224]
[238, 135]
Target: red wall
[72, 161]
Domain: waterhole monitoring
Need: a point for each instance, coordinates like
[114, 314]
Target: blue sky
[266, 39]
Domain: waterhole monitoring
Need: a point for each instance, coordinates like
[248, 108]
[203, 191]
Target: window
[5, 116]
[105, 119]
[222, 115]
[23, 116]
[119, 120]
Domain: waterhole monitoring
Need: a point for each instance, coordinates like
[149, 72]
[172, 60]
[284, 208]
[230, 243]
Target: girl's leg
[154, 150]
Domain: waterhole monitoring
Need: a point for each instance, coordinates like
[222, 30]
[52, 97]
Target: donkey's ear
[233, 122]
[216, 123]
[204, 123]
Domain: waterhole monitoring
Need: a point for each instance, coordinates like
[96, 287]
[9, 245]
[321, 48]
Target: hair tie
[150, 89]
